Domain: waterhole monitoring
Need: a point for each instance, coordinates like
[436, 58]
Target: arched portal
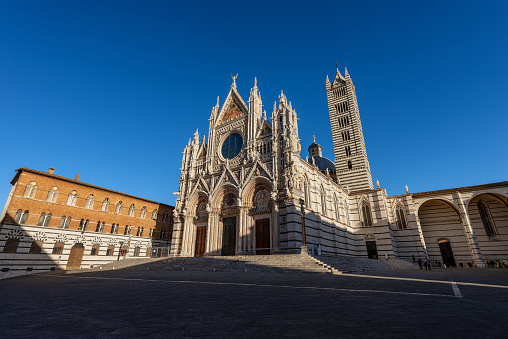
[440, 221]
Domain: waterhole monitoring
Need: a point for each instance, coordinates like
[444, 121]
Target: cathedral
[250, 190]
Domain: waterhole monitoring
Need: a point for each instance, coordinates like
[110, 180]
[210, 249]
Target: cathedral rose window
[232, 146]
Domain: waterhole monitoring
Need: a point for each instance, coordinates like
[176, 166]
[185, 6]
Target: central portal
[228, 236]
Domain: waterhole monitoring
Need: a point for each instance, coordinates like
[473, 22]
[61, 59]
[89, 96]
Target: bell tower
[351, 161]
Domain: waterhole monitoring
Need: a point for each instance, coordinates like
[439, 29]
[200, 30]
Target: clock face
[232, 146]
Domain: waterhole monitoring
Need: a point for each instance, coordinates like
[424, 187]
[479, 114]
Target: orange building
[52, 222]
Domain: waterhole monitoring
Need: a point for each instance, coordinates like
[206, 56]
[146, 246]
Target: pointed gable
[233, 107]
[266, 129]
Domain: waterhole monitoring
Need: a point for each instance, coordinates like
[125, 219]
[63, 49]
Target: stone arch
[492, 246]
[440, 220]
[252, 188]
[400, 218]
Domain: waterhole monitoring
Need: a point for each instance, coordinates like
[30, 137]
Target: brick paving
[138, 302]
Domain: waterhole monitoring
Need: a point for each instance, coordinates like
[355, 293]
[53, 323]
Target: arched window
[349, 165]
[44, 219]
[323, 201]
[58, 248]
[162, 234]
[138, 232]
[400, 217]
[141, 233]
[154, 214]
[67, 222]
[89, 202]
[127, 230]
[83, 224]
[72, 198]
[488, 222]
[366, 214]
[105, 205]
[62, 222]
[346, 211]
[52, 194]
[165, 217]
[306, 189]
[30, 190]
[142, 214]
[36, 247]
[131, 210]
[23, 217]
[113, 229]
[11, 245]
[17, 218]
[336, 207]
[150, 233]
[98, 227]
[119, 207]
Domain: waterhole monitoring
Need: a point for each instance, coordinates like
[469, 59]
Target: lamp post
[303, 249]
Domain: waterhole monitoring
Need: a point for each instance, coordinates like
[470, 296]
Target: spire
[202, 142]
[346, 73]
[255, 82]
[217, 102]
[264, 115]
[327, 79]
[313, 138]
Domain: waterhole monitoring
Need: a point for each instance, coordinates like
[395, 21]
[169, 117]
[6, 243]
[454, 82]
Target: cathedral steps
[279, 263]
[353, 264]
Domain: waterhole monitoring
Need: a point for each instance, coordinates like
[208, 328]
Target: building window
[105, 205]
[336, 207]
[154, 214]
[83, 224]
[52, 195]
[110, 250]
[400, 218]
[64, 223]
[165, 217]
[44, 219]
[114, 229]
[36, 247]
[119, 207]
[136, 251]
[142, 214]
[162, 234]
[89, 202]
[95, 249]
[58, 248]
[72, 198]
[487, 220]
[131, 210]
[349, 165]
[150, 233]
[366, 214]
[306, 189]
[21, 217]
[30, 190]
[323, 201]
[127, 230]
[11, 245]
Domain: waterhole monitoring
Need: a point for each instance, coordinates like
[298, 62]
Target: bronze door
[263, 236]
[447, 253]
[75, 257]
[200, 241]
[228, 236]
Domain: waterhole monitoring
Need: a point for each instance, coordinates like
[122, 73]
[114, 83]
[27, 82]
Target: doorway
[75, 257]
[263, 236]
[371, 249]
[447, 253]
[200, 241]
[228, 236]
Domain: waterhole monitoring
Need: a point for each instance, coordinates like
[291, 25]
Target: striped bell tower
[352, 165]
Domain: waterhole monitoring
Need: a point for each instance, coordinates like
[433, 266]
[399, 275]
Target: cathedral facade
[247, 190]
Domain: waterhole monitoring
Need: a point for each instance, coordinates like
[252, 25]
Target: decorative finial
[337, 65]
[255, 82]
[217, 101]
[234, 79]
[264, 114]
[407, 189]
[313, 137]
[377, 183]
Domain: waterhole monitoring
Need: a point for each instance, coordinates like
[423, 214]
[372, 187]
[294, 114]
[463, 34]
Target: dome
[322, 163]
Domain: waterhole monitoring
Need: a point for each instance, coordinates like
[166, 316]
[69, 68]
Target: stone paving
[138, 302]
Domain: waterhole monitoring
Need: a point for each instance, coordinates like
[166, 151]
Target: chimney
[51, 170]
[76, 177]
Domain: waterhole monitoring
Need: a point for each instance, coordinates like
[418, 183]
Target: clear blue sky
[113, 90]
